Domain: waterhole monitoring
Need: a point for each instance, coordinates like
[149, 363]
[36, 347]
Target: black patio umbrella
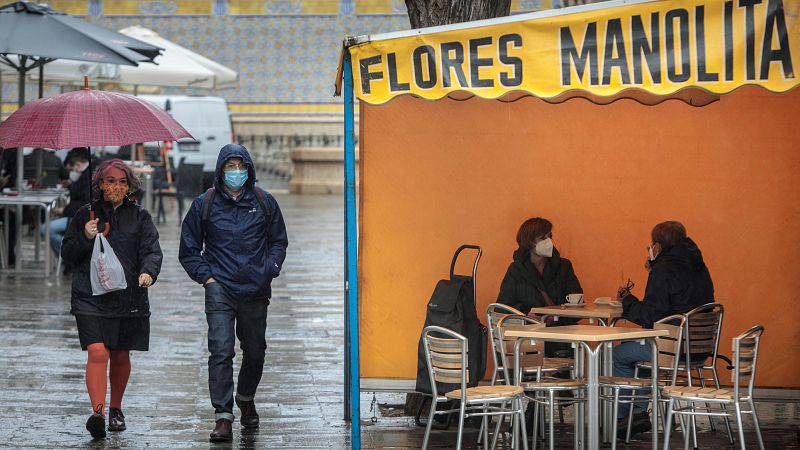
[32, 35]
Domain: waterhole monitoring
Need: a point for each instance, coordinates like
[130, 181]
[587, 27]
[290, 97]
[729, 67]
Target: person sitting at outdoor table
[8, 171]
[678, 282]
[538, 276]
[76, 163]
[110, 325]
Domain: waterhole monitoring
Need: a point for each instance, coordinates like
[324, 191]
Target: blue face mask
[235, 179]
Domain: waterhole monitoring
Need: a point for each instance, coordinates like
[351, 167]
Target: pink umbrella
[88, 118]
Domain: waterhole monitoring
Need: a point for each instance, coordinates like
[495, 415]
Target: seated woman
[539, 276]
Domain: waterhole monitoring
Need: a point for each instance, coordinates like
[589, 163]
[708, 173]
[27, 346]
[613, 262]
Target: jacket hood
[234, 151]
[685, 253]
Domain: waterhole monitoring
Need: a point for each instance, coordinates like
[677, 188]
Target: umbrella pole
[41, 81]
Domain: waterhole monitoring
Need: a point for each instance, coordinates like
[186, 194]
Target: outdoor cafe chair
[446, 355]
[531, 369]
[669, 351]
[494, 313]
[745, 355]
[703, 330]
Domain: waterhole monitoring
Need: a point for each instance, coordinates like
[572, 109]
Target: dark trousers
[247, 318]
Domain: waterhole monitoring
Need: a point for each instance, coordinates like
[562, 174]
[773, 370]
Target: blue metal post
[350, 254]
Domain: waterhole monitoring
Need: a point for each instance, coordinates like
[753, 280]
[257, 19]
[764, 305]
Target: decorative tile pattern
[283, 7]
[156, 8]
[74, 7]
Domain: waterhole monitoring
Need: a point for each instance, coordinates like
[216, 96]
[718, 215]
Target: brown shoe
[249, 417]
[222, 431]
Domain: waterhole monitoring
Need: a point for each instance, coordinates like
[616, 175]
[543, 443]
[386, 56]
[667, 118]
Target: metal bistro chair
[745, 356]
[532, 371]
[446, 355]
[669, 352]
[189, 184]
[495, 312]
[703, 329]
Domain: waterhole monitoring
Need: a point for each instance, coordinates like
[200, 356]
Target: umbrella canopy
[37, 34]
[39, 31]
[177, 66]
[88, 118]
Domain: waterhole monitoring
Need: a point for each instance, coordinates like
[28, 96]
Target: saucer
[573, 305]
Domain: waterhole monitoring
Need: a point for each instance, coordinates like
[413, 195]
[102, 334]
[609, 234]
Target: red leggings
[96, 369]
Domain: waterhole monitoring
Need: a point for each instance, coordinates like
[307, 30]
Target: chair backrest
[495, 312]
[745, 356]
[703, 326]
[190, 179]
[531, 353]
[446, 355]
[670, 346]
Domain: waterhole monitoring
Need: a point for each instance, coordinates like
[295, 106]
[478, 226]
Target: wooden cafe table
[591, 339]
[606, 314]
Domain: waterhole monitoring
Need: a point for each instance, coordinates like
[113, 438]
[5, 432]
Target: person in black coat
[678, 282]
[539, 276]
[112, 324]
[76, 163]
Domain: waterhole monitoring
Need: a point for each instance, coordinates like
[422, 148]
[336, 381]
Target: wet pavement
[43, 401]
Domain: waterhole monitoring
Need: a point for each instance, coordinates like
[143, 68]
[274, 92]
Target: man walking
[233, 242]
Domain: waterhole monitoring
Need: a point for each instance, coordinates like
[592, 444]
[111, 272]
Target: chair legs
[668, 430]
[614, 420]
[739, 425]
[429, 424]
[755, 422]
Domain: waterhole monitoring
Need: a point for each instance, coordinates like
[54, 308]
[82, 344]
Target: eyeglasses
[235, 166]
[122, 181]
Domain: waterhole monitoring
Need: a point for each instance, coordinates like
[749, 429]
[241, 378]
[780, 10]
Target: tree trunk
[430, 13]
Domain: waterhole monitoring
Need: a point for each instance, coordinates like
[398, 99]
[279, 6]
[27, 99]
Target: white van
[205, 118]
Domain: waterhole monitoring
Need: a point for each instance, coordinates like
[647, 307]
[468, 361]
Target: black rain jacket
[134, 239]
[78, 194]
[678, 282]
[522, 285]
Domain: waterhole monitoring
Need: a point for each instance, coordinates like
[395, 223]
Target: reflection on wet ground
[45, 405]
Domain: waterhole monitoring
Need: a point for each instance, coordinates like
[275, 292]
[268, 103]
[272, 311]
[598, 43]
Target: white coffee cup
[575, 298]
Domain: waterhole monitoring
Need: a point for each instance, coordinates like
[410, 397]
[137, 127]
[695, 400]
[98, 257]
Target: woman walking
[112, 324]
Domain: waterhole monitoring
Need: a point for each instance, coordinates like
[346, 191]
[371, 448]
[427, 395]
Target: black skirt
[116, 334]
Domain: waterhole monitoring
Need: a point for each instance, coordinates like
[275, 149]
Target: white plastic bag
[106, 274]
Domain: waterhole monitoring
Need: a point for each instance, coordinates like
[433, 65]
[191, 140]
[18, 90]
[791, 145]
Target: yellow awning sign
[659, 47]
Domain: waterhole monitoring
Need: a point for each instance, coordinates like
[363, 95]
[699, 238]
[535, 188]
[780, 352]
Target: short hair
[530, 230]
[77, 154]
[133, 181]
[668, 233]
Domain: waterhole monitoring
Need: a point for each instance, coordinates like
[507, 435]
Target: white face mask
[651, 254]
[544, 248]
[73, 176]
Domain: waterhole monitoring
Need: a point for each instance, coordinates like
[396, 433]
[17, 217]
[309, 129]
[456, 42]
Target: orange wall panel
[438, 174]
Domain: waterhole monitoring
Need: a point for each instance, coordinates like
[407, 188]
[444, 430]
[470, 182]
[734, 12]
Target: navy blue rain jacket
[241, 251]
[679, 281]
